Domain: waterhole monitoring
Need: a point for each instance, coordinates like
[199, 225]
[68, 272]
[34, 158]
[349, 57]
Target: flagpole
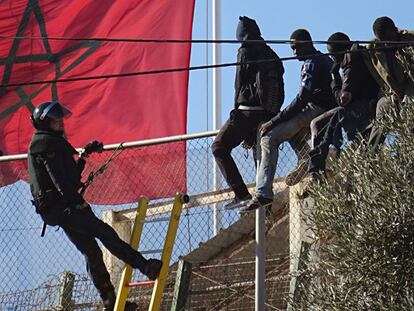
[216, 34]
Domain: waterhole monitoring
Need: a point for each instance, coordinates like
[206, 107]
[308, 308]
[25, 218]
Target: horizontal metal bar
[151, 251]
[138, 284]
[156, 220]
[14, 157]
[200, 199]
[163, 140]
[132, 144]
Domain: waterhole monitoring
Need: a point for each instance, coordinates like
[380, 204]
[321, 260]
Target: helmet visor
[55, 111]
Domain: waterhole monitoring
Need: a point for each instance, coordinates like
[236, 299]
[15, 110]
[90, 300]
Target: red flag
[111, 110]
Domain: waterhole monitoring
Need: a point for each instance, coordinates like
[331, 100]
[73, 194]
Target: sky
[277, 19]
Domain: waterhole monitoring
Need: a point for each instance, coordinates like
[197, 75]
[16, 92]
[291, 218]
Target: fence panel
[36, 272]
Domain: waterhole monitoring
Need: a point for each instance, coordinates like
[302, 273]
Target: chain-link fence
[48, 273]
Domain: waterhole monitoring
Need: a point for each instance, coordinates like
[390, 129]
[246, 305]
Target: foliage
[363, 220]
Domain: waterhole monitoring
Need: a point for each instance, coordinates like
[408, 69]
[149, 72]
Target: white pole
[216, 23]
[260, 259]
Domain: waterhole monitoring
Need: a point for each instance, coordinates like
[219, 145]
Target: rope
[181, 69]
[99, 171]
[194, 41]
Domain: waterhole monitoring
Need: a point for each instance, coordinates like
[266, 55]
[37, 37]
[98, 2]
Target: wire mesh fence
[48, 273]
[230, 285]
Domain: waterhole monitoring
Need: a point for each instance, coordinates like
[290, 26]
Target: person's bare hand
[346, 98]
[265, 128]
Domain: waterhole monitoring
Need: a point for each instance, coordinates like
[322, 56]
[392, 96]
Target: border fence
[49, 273]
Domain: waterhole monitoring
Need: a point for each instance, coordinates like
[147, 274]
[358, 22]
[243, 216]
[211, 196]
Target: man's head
[49, 116]
[247, 29]
[301, 48]
[385, 29]
[338, 43]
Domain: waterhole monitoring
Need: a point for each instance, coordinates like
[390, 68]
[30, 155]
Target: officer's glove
[82, 205]
[346, 98]
[93, 146]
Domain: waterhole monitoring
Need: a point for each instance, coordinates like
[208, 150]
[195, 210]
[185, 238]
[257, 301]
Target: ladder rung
[159, 284]
[156, 220]
[138, 284]
[151, 251]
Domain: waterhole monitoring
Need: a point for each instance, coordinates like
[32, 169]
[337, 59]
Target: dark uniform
[55, 181]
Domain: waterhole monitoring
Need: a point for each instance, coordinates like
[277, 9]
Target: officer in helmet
[55, 181]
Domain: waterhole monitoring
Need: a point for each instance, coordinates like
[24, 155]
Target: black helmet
[47, 111]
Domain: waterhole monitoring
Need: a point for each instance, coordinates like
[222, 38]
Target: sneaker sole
[254, 209]
[234, 206]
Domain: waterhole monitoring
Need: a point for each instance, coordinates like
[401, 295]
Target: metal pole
[216, 24]
[182, 286]
[260, 260]
[67, 281]
[131, 144]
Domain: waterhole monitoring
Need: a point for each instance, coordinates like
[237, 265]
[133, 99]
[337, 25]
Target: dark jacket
[395, 67]
[251, 78]
[52, 168]
[315, 88]
[356, 79]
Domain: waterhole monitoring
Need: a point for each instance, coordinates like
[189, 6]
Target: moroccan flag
[112, 110]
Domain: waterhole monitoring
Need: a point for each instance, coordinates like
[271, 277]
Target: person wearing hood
[259, 94]
[314, 98]
[55, 181]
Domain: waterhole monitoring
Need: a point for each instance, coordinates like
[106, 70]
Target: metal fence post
[216, 32]
[260, 259]
[182, 285]
[67, 281]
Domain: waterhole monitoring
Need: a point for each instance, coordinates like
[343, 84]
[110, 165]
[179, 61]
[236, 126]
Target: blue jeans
[354, 119]
[268, 151]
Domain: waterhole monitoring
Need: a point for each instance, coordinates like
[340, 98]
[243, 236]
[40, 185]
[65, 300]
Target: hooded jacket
[250, 78]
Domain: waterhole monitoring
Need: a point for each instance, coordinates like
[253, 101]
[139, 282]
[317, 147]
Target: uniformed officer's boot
[152, 268]
[109, 299]
[110, 304]
[131, 306]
